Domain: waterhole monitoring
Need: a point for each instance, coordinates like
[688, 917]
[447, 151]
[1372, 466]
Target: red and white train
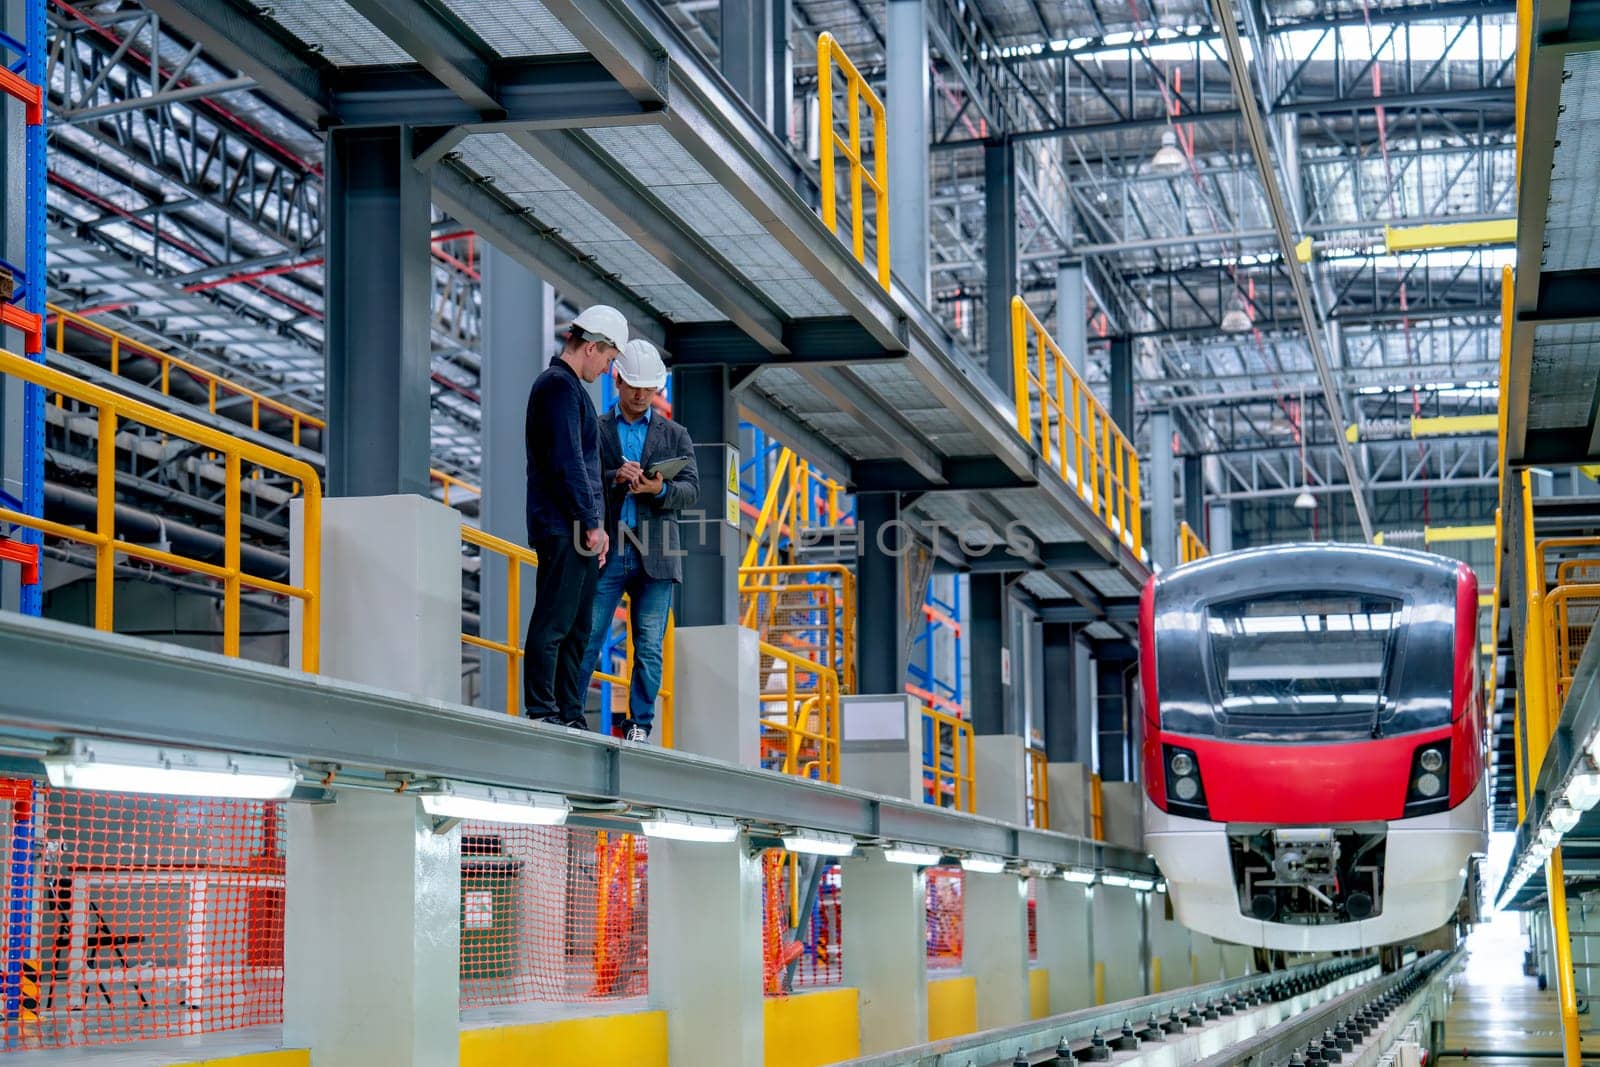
[1313, 743]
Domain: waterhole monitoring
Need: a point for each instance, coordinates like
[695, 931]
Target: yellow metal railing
[233, 454]
[1094, 455]
[126, 351]
[518, 557]
[1097, 809]
[798, 497]
[947, 761]
[806, 609]
[1190, 547]
[800, 716]
[1038, 789]
[857, 92]
[1541, 669]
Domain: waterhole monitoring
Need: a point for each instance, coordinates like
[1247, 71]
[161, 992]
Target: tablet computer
[668, 468]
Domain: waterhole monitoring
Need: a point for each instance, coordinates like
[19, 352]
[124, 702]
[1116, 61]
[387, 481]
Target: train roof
[1324, 565]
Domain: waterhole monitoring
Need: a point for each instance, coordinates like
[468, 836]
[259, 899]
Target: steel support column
[1219, 530]
[999, 253]
[703, 401]
[986, 623]
[782, 71]
[517, 341]
[1122, 383]
[1194, 494]
[1112, 721]
[1163, 540]
[1071, 315]
[881, 626]
[1060, 695]
[907, 101]
[746, 55]
[378, 293]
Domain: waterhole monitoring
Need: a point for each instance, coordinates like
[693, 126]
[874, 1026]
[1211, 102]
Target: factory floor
[1498, 1009]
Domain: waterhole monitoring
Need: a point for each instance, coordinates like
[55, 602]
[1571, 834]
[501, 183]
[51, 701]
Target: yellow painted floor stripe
[638, 1039]
[289, 1057]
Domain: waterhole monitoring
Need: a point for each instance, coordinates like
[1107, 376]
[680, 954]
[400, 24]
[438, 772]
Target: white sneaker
[637, 733]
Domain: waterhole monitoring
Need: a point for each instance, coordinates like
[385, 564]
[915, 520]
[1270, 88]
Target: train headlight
[1186, 793]
[1429, 788]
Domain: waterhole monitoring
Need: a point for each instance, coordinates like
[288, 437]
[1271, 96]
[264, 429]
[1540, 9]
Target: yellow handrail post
[857, 90]
[1019, 364]
[105, 570]
[513, 631]
[231, 560]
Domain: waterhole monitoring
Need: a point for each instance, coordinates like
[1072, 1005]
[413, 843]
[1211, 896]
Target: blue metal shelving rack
[22, 79]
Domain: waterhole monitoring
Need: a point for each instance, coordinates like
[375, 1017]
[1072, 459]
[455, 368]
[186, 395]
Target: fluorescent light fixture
[1120, 880]
[913, 855]
[1072, 874]
[682, 826]
[1583, 792]
[982, 864]
[1142, 885]
[816, 843]
[1549, 837]
[119, 767]
[1564, 818]
[1037, 870]
[468, 800]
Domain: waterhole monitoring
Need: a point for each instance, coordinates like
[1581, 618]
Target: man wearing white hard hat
[647, 467]
[566, 517]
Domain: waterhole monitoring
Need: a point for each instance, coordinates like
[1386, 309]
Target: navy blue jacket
[562, 434]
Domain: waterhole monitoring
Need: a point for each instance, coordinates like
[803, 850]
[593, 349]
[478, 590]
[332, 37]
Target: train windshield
[1314, 658]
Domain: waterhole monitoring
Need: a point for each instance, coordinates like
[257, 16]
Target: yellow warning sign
[733, 487]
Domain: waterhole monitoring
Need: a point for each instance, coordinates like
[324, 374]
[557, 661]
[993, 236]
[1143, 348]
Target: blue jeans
[650, 602]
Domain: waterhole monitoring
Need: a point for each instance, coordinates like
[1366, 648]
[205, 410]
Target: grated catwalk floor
[1496, 1007]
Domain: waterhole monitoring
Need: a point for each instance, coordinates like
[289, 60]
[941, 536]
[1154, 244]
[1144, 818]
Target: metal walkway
[593, 141]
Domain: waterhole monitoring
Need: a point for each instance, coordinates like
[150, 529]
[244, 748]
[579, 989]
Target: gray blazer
[657, 528]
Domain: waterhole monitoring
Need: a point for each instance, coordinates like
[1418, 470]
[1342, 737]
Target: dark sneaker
[637, 733]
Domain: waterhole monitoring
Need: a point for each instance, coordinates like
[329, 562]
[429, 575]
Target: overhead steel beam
[245, 41]
[573, 158]
[541, 92]
[497, 219]
[1255, 130]
[834, 340]
[444, 46]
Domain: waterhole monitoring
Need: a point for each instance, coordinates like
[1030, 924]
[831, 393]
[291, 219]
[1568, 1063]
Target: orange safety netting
[139, 917]
[550, 914]
[817, 954]
[944, 917]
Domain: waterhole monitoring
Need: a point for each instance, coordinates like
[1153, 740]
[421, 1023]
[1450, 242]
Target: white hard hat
[640, 365]
[603, 323]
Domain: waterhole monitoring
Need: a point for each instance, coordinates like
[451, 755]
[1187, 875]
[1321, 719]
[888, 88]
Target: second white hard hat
[602, 322]
[640, 365]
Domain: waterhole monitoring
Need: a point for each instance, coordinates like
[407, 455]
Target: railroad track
[1343, 1011]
